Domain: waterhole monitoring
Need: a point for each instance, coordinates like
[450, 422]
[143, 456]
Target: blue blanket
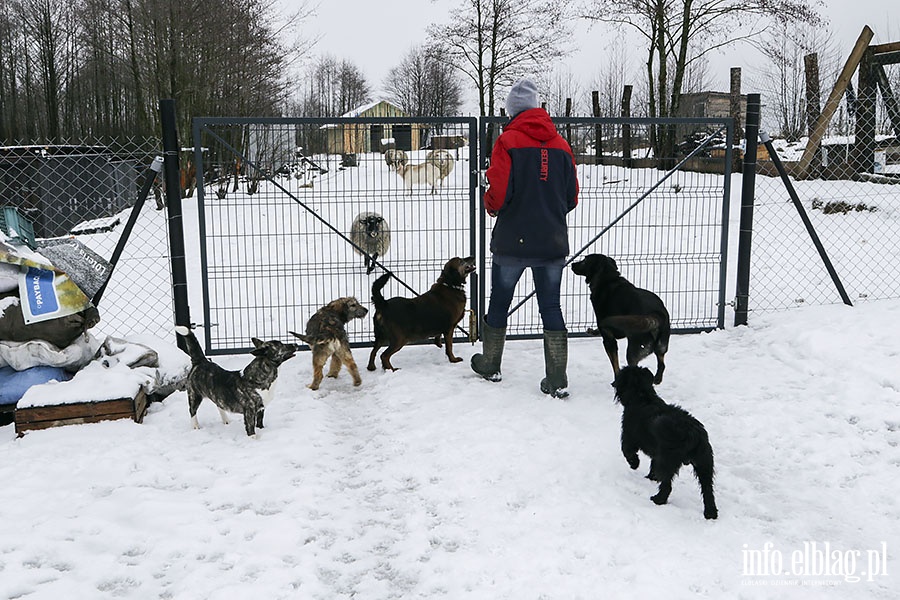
[14, 384]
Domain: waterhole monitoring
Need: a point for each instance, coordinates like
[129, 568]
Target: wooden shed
[357, 138]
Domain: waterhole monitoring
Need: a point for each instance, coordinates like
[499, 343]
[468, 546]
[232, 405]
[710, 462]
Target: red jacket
[532, 187]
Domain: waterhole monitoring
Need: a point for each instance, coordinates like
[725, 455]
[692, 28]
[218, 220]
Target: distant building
[713, 105]
[356, 138]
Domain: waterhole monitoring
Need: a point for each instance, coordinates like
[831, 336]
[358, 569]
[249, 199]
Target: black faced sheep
[372, 236]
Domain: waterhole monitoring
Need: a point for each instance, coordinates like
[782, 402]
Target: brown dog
[435, 313]
[327, 337]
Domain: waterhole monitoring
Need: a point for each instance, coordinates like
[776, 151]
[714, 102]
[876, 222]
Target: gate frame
[199, 125]
[726, 123]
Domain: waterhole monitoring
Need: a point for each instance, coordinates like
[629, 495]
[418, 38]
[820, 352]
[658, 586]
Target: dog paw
[357, 382]
[711, 513]
[455, 359]
[659, 499]
[633, 461]
[370, 367]
[313, 386]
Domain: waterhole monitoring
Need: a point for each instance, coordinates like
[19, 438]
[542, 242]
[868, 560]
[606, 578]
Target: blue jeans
[547, 281]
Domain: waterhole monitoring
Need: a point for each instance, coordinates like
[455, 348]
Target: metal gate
[277, 202]
[277, 199]
[663, 218]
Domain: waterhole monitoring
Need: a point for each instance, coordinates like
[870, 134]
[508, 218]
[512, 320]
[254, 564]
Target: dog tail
[632, 324]
[193, 346]
[377, 298]
[302, 338]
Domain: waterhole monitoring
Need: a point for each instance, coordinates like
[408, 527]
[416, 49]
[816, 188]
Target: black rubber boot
[556, 357]
[487, 364]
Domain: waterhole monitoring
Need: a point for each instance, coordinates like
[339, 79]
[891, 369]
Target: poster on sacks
[56, 280]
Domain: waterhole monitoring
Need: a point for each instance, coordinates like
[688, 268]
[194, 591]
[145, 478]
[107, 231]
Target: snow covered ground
[432, 483]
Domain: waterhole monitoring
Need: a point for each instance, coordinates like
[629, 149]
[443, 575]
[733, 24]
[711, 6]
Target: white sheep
[426, 173]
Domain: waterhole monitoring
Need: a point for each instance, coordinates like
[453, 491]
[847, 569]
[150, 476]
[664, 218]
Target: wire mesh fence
[85, 191]
[662, 217]
[849, 188]
[294, 212]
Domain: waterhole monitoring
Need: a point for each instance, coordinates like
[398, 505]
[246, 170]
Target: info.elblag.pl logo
[813, 564]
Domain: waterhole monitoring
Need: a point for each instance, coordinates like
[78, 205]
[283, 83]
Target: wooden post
[834, 98]
[598, 129]
[626, 127]
[863, 156]
[735, 102]
[813, 111]
[734, 110]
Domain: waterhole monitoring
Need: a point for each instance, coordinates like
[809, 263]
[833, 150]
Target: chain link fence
[848, 187]
[85, 191]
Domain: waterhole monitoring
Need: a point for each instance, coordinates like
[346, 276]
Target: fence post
[748, 190]
[173, 206]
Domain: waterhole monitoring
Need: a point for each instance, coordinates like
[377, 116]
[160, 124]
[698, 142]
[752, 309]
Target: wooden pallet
[44, 417]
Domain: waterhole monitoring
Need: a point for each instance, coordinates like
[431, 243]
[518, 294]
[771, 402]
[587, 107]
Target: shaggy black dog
[666, 433]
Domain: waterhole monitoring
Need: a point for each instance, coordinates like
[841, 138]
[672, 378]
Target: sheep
[426, 173]
[372, 237]
[393, 156]
[444, 161]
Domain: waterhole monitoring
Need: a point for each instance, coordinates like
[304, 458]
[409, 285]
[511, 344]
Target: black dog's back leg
[259, 418]
[664, 470]
[703, 469]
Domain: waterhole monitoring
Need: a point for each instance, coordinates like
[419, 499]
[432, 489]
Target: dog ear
[257, 342]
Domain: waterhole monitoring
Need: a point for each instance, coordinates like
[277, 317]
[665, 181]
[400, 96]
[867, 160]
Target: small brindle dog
[666, 433]
[327, 337]
[243, 392]
[435, 313]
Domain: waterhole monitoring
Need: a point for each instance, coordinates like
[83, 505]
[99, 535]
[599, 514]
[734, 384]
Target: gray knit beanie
[522, 96]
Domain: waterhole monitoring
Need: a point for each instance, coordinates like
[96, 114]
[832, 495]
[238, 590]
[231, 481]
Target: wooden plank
[834, 98]
[38, 425]
[889, 47]
[80, 409]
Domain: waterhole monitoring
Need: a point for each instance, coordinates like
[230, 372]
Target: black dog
[625, 311]
[399, 321]
[244, 392]
[668, 434]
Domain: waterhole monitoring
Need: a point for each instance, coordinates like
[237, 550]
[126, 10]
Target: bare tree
[99, 67]
[681, 32]
[424, 83]
[332, 88]
[493, 42]
[559, 86]
[782, 78]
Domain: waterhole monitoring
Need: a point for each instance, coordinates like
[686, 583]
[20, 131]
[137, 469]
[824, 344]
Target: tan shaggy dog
[327, 338]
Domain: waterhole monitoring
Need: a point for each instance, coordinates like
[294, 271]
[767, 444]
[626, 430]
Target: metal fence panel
[673, 241]
[277, 202]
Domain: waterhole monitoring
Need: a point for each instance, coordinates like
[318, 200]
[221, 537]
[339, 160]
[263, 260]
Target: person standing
[532, 186]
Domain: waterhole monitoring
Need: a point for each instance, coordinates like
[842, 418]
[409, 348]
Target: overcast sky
[375, 34]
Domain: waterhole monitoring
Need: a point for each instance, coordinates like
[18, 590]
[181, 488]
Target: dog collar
[461, 287]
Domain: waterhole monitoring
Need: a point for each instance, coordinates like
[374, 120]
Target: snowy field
[432, 483]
